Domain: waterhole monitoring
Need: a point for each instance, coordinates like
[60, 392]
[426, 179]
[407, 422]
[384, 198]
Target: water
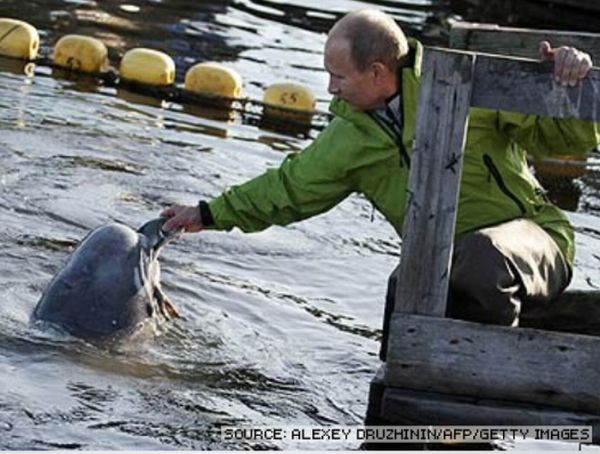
[278, 328]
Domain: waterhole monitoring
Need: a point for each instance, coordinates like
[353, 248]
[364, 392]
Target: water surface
[279, 327]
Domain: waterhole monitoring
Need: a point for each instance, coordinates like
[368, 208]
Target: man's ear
[380, 72]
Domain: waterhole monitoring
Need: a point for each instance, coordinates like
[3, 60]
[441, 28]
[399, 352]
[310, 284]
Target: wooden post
[434, 180]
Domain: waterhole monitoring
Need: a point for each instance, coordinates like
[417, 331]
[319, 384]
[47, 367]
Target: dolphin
[109, 288]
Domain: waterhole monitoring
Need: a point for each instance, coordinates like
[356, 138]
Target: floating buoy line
[287, 106]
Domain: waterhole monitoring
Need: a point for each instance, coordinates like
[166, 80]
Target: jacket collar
[417, 48]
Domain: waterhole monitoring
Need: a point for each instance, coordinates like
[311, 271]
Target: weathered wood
[433, 354]
[591, 5]
[575, 311]
[553, 14]
[406, 407]
[528, 86]
[377, 388]
[518, 42]
[516, 364]
[434, 179]
[571, 312]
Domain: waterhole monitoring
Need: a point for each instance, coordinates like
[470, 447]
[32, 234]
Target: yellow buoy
[81, 53]
[147, 66]
[213, 79]
[18, 39]
[289, 100]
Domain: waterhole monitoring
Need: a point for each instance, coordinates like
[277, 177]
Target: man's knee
[478, 267]
[483, 285]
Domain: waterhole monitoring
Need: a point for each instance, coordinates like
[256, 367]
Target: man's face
[358, 88]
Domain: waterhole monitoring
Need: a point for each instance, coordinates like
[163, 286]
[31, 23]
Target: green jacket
[356, 154]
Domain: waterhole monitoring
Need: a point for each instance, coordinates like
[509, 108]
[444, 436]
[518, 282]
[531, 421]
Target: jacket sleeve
[305, 184]
[547, 136]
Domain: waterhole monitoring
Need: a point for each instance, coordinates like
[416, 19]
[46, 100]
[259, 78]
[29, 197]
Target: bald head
[372, 36]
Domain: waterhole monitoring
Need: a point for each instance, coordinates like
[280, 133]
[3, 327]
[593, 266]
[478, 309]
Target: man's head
[363, 52]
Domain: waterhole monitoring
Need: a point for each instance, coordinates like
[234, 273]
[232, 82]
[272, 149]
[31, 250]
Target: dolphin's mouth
[153, 231]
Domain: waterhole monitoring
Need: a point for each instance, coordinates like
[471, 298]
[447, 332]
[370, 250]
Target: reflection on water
[277, 328]
[17, 67]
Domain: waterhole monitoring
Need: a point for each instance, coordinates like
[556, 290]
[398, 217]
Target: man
[512, 246]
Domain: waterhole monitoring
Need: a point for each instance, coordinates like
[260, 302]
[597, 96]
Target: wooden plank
[406, 407]
[518, 42]
[571, 312]
[527, 12]
[515, 364]
[377, 388]
[590, 5]
[434, 179]
[527, 86]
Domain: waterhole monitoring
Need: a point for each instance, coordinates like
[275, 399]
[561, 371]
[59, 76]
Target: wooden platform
[556, 14]
[452, 372]
[555, 173]
[518, 42]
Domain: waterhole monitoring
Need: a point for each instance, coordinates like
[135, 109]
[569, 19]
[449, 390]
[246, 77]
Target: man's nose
[333, 87]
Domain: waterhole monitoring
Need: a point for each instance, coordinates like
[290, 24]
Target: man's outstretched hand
[570, 65]
[185, 216]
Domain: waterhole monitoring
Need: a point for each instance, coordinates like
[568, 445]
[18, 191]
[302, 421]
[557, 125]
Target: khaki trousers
[497, 274]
